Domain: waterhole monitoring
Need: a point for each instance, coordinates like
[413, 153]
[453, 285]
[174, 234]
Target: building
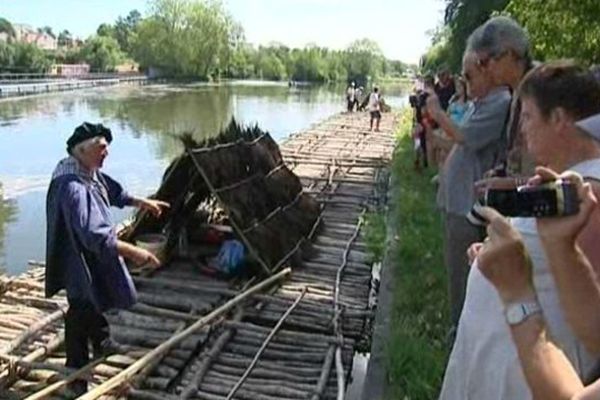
[27, 34]
[70, 70]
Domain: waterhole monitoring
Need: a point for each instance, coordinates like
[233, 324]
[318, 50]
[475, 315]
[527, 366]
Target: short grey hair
[498, 35]
[82, 147]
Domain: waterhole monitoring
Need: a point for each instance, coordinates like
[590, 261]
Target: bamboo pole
[264, 345]
[136, 367]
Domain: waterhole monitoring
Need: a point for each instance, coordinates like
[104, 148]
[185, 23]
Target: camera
[418, 100]
[551, 199]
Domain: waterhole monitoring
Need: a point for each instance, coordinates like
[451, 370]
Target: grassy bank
[417, 350]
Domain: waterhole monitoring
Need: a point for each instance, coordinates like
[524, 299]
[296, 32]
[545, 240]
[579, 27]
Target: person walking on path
[375, 108]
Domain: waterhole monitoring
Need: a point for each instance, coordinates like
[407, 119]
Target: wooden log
[265, 369]
[33, 330]
[162, 312]
[264, 345]
[208, 358]
[325, 371]
[132, 370]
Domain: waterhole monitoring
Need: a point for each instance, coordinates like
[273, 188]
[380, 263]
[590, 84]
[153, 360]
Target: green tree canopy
[185, 37]
[6, 27]
[102, 53]
[364, 60]
[561, 29]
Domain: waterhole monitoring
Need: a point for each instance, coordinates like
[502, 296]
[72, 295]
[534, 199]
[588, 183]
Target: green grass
[417, 348]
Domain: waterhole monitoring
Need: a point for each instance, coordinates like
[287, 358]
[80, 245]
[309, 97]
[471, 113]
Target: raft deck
[295, 340]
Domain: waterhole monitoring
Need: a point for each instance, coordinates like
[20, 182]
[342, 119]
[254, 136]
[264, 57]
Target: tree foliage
[561, 29]
[102, 53]
[557, 28]
[184, 37]
[6, 27]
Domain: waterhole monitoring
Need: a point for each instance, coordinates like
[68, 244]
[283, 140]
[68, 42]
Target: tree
[560, 29]
[185, 38]
[105, 30]
[270, 67]
[124, 28]
[102, 53]
[29, 58]
[7, 55]
[461, 18]
[364, 60]
[47, 30]
[6, 27]
[65, 39]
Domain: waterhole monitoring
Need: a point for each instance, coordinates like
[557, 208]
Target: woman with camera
[556, 98]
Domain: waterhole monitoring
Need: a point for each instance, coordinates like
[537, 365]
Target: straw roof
[242, 173]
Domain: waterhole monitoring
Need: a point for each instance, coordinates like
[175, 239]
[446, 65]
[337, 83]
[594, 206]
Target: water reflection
[144, 121]
[8, 211]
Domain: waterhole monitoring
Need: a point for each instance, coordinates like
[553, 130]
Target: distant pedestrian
[357, 97]
[350, 96]
[375, 108]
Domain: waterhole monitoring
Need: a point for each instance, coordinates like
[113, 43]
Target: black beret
[87, 131]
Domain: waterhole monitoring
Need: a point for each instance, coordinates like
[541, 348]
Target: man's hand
[564, 230]
[503, 259]
[155, 207]
[143, 257]
[136, 254]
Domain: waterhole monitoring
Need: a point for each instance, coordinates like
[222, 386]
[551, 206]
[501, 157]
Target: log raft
[294, 340]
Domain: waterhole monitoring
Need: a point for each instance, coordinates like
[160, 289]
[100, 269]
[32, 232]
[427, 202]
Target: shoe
[109, 347]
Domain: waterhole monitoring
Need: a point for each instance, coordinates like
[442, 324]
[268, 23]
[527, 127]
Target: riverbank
[410, 349]
[16, 89]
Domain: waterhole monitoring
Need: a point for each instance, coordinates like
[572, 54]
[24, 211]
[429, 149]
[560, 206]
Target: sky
[400, 27]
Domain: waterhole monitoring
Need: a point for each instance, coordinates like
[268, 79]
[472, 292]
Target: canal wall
[20, 89]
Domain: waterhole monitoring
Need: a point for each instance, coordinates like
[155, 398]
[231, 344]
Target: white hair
[84, 146]
[500, 34]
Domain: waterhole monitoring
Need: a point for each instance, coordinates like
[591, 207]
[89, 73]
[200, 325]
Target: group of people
[451, 93]
[373, 102]
[524, 292]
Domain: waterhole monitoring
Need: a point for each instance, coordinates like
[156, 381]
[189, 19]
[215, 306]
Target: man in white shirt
[374, 108]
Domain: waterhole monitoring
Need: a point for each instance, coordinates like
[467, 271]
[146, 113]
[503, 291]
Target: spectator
[484, 362]
[444, 88]
[350, 92]
[476, 142]
[503, 261]
[503, 46]
[357, 97]
[459, 102]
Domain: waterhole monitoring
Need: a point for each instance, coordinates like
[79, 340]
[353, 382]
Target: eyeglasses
[482, 62]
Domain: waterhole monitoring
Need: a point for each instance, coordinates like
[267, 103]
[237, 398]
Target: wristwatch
[516, 313]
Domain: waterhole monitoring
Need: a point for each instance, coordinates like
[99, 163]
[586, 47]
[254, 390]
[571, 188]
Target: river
[145, 121]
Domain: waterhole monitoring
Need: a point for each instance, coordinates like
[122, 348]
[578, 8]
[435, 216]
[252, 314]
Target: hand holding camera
[566, 229]
[540, 196]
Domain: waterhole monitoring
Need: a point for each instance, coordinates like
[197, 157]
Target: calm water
[143, 119]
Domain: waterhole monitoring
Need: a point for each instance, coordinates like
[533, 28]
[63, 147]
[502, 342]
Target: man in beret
[83, 254]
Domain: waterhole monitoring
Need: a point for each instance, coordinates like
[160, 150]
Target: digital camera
[551, 199]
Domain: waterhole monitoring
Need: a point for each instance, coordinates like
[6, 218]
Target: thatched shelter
[239, 179]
